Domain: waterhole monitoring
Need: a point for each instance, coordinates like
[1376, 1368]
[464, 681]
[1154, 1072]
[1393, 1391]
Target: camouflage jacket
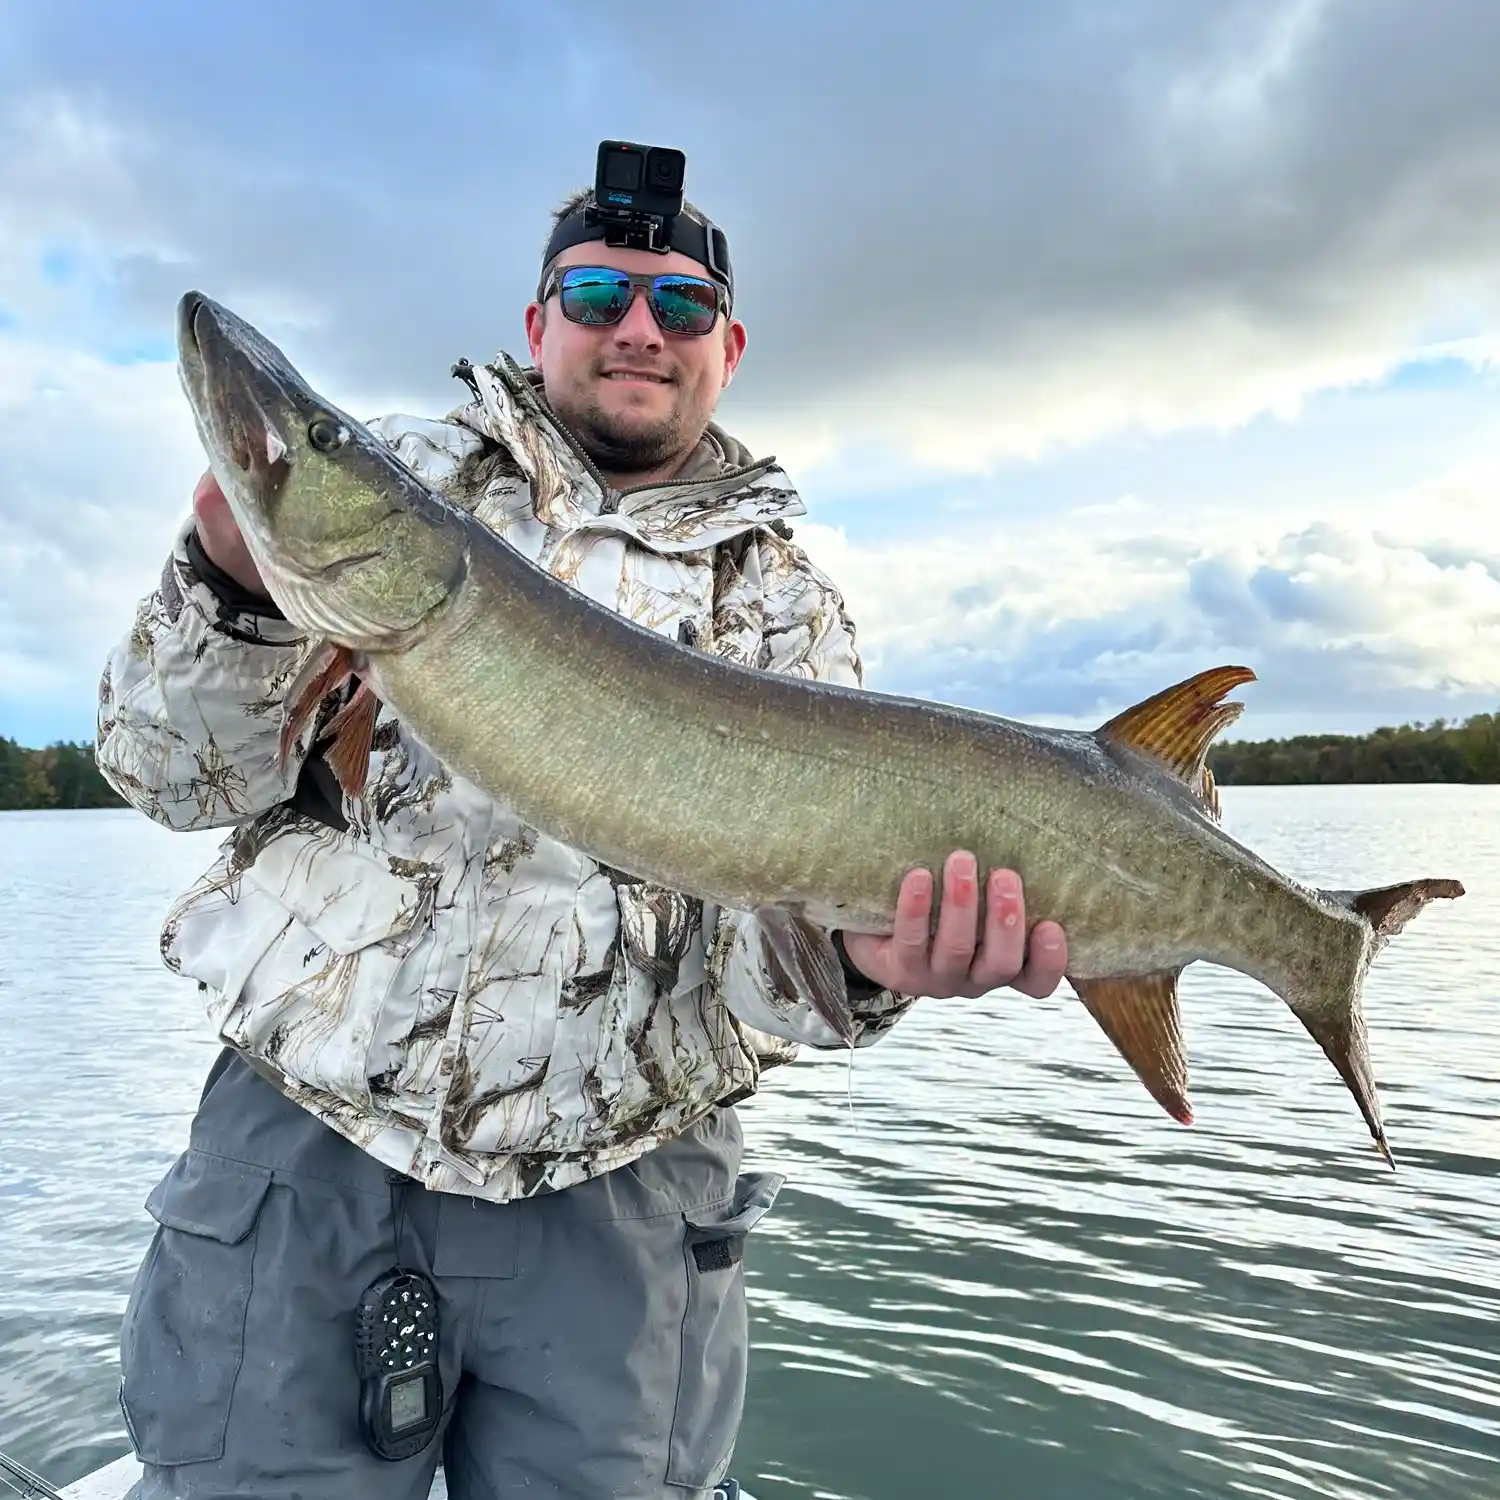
[472, 1002]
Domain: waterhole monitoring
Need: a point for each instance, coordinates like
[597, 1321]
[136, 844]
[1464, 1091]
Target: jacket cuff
[234, 596]
[859, 984]
[876, 1009]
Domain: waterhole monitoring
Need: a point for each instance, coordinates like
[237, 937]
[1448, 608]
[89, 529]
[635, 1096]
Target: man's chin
[627, 442]
[637, 419]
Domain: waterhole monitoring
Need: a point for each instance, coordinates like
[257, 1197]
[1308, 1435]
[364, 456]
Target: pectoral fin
[326, 670]
[1139, 1015]
[802, 954]
[352, 729]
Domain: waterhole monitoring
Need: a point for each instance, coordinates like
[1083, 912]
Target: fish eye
[325, 434]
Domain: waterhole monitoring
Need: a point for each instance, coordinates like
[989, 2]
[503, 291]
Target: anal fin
[1139, 1014]
[804, 954]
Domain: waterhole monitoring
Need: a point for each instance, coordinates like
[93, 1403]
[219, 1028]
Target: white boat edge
[113, 1482]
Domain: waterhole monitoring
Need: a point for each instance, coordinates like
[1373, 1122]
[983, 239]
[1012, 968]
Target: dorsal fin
[1177, 725]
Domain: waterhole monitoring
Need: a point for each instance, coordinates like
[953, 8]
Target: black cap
[700, 239]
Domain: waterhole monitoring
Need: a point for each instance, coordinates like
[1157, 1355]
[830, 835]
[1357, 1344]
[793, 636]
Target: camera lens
[622, 171]
[666, 170]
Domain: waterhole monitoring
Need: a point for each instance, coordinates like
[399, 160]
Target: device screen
[408, 1404]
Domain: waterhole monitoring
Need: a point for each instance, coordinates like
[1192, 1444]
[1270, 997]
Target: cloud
[97, 462]
[1073, 628]
[1081, 218]
[1045, 301]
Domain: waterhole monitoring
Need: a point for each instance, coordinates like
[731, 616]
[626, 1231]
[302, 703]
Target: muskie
[802, 802]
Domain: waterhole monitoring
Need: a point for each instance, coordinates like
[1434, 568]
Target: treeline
[1439, 751]
[62, 775]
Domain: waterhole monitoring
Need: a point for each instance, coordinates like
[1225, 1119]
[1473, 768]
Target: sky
[1106, 340]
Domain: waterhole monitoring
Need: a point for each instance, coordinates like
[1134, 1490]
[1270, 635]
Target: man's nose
[638, 328]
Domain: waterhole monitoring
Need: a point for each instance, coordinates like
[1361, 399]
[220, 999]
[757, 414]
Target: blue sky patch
[60, 264]
[1444, 375]
[144, 349]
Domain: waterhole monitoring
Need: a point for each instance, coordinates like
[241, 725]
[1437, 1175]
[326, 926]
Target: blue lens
[594, 295]
[684, 304]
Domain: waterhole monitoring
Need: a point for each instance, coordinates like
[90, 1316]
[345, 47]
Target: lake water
[1007, 1274]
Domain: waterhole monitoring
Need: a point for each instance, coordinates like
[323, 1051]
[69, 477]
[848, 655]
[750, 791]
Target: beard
[622, 445]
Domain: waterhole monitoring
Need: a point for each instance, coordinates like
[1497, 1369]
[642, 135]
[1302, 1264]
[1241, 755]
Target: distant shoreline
[1457, 753]
[62, 776]
[1467, 753]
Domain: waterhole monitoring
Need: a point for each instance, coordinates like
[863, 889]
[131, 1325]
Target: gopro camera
[638, 192]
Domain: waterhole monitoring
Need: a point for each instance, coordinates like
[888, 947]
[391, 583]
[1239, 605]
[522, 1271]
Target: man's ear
[536, 323]
[734, 349]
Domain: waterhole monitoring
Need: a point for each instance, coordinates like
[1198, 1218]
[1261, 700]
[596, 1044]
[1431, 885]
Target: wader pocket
[183, 1337]
[715, 1334]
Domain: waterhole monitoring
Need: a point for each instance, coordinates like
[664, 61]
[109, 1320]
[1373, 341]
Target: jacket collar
[721, 492]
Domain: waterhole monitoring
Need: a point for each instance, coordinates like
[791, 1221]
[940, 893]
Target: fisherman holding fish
[468, 1166]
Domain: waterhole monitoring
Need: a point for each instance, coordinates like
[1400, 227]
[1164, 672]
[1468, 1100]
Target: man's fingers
[1046, 961]
[910, 930]
[1002, 951]
[899, 961]
[915, 961]
[958, 920]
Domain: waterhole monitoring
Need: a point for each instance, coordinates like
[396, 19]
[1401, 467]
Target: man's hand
[961, 958]
[220, 534]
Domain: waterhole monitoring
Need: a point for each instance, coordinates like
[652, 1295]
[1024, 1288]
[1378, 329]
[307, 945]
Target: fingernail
[1006, 885]
[921, 882]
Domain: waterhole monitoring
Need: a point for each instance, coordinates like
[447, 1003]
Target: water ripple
[1007, 1273]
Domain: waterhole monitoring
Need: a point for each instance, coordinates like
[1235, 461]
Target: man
[455, 1046]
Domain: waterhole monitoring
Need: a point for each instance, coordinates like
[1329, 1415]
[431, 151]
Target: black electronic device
[638, 192]
[396, 1349]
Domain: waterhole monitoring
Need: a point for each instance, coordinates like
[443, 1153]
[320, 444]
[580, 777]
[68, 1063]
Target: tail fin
[1388, 908]
[1340, 1029]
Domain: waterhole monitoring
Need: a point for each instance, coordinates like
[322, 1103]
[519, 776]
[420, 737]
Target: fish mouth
[188, 307]
[189, 352]
[219, 367]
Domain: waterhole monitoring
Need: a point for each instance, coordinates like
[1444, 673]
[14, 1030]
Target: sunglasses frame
[552, 282]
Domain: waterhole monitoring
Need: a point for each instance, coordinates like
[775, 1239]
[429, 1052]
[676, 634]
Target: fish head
[350, 543]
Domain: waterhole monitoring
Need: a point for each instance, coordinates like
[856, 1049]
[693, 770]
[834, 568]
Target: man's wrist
[858, 983]
[228, 590]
